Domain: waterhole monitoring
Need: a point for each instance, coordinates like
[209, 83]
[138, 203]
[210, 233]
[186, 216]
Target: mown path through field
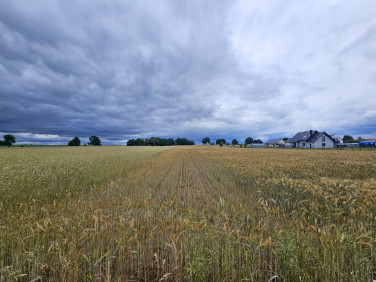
[192, 218]
[181, 175]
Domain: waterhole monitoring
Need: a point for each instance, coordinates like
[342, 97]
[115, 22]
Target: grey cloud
[122, 69]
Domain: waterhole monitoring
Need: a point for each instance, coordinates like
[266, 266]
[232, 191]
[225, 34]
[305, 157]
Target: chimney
[310, 132]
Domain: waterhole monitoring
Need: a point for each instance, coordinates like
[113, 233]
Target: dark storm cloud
[125, 69]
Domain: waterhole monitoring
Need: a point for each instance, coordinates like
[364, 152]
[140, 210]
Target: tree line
[157, 141]
[93, 140]
[222, 141]
[350, 139]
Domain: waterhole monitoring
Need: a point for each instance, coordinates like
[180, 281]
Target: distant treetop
[248, 140]
[206, 141]
[95, 141]
[348, 139]
[219, 141]
[257, 141]
[75, 142]
[9, 139]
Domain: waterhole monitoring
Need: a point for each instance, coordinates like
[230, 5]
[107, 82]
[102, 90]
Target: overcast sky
[232, 69]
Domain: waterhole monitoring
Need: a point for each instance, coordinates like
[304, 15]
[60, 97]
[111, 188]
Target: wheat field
[187, 214]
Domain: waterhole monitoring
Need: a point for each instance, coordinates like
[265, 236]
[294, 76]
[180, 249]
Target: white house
[337, 138]
[312, 139]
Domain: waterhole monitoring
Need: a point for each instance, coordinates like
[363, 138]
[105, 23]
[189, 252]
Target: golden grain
[192, 213]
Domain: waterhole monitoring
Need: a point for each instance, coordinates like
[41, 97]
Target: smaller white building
[338, 139]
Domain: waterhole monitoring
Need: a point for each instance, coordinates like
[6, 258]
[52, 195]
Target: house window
[323, 144]
[303, 144]
[323, 139]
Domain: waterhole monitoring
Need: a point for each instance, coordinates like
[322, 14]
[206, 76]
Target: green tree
[218, 141]
[75, 142]
[360, 139]
[206, 141]
[95, 141]
[348, 139]
[248, 140]
[184, 141]
[170, 142]
[234, 142]
[131, 142]
[140, 142]
[257, 141]
[9, 139]
[154, 141]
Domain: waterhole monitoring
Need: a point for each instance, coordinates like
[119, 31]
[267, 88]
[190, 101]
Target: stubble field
[187, 214]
